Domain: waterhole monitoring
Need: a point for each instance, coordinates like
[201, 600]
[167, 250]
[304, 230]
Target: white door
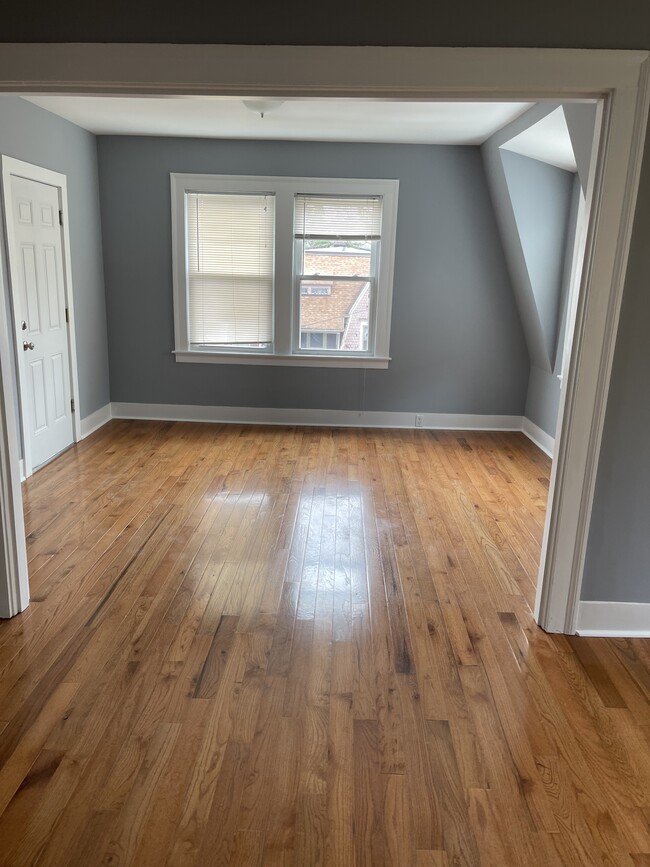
[40, 311]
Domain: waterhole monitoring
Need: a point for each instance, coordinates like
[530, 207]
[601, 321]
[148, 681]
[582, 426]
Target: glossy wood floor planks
[251, 647]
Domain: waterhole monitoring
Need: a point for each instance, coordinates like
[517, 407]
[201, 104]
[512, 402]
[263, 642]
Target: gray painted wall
[456, 343]
[28, 133]
[543, 398]
[581, 123]
[536, 205]
[540, 195]
[509, 233]
[618, 556]
[579, 24]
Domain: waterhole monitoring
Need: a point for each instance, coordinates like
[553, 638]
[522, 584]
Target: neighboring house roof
[329, 312]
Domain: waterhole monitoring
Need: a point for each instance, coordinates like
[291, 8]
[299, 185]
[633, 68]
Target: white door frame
[17, 168]
[14, 589]
[619, 77]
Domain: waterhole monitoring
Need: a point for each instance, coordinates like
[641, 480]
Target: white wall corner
[614, 619]
[541, 439]
[95, 420]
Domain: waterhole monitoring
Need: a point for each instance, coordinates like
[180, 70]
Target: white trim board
[542, 440]
[313, 417]
[316, 417]
[314, 70]
[95, 420]
[614, 619]
[14, 590]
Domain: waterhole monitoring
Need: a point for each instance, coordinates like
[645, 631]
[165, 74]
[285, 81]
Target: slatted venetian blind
[334, 218]
[230, 241]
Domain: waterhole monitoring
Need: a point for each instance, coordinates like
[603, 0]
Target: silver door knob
[27, 345]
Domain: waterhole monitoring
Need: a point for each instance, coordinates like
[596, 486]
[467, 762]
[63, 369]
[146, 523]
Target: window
[315, 288]
[283, 270]
[338, 243]
[319, 339]
[364, 335]
[230, 269]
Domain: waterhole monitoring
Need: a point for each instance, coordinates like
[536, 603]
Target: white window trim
[286, 347]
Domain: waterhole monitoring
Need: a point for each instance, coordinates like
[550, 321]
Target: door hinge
[72, 404]
[67, 315]
[60, 218]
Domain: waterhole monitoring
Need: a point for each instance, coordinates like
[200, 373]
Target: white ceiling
[467, 123]
[547, 140]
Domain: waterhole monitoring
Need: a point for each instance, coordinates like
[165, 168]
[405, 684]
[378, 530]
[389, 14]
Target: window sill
[188, 356]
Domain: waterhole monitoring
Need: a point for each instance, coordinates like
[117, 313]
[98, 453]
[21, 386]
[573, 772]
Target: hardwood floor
[285, 646]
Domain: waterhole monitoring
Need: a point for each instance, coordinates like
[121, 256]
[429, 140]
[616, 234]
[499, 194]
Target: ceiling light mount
[262, 106]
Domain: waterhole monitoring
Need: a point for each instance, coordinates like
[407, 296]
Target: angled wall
[536, 205]
[581, 123]
[510, 238]
[543, 398]
[540, 198]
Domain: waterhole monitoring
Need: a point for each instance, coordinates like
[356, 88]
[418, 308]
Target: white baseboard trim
[312, 417]
[21, 469]
[95, 420]
[614, 619]
[542, 440]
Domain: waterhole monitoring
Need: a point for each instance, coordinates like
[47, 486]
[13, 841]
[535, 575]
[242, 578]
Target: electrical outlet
[419, 420]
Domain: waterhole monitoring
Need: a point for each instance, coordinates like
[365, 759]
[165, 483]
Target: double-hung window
[336, 258]
[283, 270]
[230, 270]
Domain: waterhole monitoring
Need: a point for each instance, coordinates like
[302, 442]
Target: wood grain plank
[303, 647]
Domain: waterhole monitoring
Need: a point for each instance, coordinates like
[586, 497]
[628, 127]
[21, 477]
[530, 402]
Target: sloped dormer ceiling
[540, 196]
[548, 141]
[532, 199]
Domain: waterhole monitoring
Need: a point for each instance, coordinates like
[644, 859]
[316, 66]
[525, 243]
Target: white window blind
[230, 246]
[338, 218]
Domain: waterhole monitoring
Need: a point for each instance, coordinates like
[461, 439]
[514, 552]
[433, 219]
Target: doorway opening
[581, 402]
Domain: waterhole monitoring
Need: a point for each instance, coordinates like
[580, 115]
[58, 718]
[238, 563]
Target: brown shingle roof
[328, 312]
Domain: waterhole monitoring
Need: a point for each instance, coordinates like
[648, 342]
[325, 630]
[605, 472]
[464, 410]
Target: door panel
[32, 313]
[58, 384]
[40, 302]
[39, 399]
[52, 285]
[24, 211]
[47, 215]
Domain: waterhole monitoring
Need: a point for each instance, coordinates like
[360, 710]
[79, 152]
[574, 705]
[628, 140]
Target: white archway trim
[14, 583]
[620, 78]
